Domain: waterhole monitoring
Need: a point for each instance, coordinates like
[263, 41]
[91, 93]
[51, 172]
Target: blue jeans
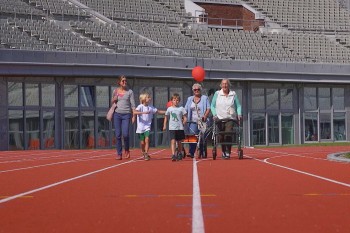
[121, 125]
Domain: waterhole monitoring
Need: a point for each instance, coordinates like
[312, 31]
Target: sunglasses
[123, 81]
[196, 89]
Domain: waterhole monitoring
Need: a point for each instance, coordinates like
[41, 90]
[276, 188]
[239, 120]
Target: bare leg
[173, 146]
[146, 148]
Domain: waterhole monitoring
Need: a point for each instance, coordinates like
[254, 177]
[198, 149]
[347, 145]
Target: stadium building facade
[51, 104]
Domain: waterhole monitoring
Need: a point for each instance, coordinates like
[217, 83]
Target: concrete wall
[231, 16]
[18, 62]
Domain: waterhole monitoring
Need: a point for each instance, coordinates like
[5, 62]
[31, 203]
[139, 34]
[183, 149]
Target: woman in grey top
[124, 97]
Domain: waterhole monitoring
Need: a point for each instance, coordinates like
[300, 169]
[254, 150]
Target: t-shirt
[126, 101]
[144, 121]
[195, 109]
[175, 117]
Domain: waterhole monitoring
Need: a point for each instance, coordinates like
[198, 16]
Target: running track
[271, 190]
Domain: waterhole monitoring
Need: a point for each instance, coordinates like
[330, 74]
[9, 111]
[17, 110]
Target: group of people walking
[197, 113]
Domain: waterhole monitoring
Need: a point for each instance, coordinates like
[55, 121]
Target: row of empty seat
[57, 7]
[146, 10]
[38, 34]
[305, 15]
[172, 39]
[147, 36]
[18, 7]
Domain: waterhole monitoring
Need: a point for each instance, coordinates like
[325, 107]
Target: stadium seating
[57, 7]
[18, 7]
[303, 15]
[147, 10]
[301, 31]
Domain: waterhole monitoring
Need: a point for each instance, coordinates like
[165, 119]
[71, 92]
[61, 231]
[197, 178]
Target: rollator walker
[232, 138]
[198, 139]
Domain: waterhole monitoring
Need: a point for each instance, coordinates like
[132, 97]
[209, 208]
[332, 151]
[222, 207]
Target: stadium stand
[303, 15]
[57, 7]
[294, 31]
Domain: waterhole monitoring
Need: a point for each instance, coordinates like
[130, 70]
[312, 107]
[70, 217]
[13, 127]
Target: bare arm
[165, 122]
[160, 111]
[184, 120]
[135, 112]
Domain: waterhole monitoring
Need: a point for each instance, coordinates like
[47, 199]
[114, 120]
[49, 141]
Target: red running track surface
[273, 190]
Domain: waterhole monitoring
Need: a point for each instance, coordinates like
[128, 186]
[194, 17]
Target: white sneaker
[225, 155]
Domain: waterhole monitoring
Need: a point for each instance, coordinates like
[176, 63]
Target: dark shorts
[178, 135]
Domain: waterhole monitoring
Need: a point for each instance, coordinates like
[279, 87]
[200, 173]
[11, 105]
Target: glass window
[161, 97]
[148, 90]
[15, 94]
[112, 92]
[33, 130]
[49, 129]
[71, 130]
[103, 138]
[259, 132]
[102, 96]
[32, 94]
[48, 95]
[273, 124]
[325, 126]
[338, 98]
[339, 126]
[272, 99]
[87, 96]
[71, 96]
[287, 128]
[87, 127]
[310, 98]
[286, 98]
[16, 130]
[258, 100]
[324, 98]
[311, 126]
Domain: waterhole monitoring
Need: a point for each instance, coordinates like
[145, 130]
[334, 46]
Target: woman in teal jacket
[225, 105]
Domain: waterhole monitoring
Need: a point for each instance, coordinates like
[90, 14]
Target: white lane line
[39, 157]
[282, 154]
[302, 172]
[197, 213]
[308, 174]
[57, 163]
[79, 159]
[67, 180]
[60, 182]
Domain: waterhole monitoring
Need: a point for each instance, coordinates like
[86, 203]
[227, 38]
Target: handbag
[110, 112]
[202, 126]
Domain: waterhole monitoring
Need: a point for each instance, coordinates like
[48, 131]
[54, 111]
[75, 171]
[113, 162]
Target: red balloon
[169, 104]
[198, 73]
